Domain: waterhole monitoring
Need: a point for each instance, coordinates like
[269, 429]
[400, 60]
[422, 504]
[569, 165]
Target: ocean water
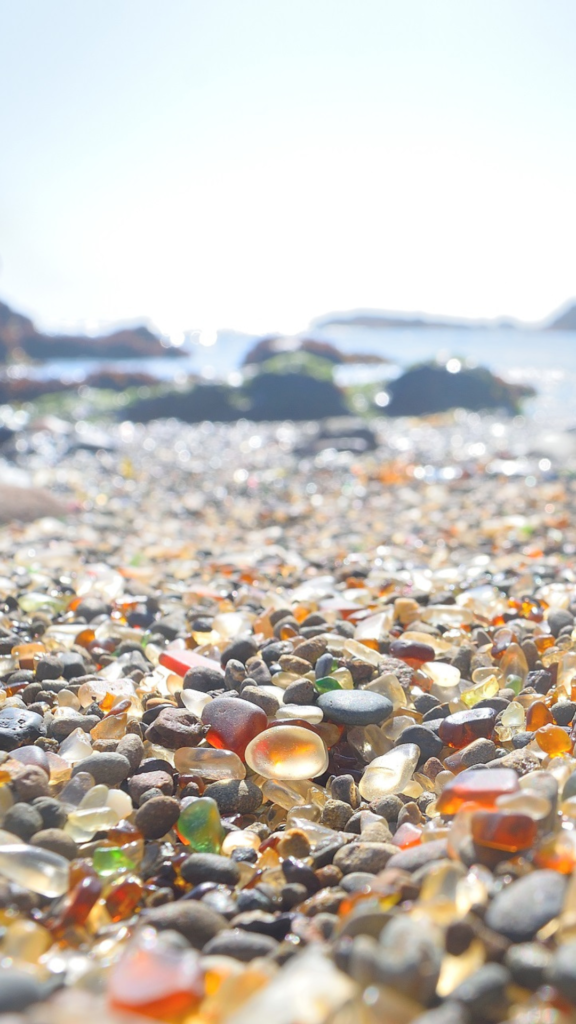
[544, 359]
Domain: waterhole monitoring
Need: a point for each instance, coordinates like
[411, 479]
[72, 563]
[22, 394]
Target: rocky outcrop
[18, 333]
[267, 396]
[277, 345]
[131, 343]
[566, 321]
[203, 402]
[13, 328]
[292, 396]
[430, 388]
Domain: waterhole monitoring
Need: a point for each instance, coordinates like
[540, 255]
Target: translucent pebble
[480, 691]
[441, 673]
[374, 627]
[389, 686]
[370, 741]
[309, 989]
[95, 797]
[194, 701]
[83, 825]
[35, 869]
[513, 663]
[527, 801]
[209, 762]
[120, 803]
[358, 650]
[199, 825]
[286, 794]
[243, 839]
[74, 791]
[311, 713]
[75, 747]
[287, 752]
[155, 978]
[514, 716]
[113, 727]
[343, 676]
[26, 940]
[389, 773]
[108, 861]
[446, 615]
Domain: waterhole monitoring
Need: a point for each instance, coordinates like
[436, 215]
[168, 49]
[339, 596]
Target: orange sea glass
[501, 831]
[479, 788]
[553, 740]
[538, 715]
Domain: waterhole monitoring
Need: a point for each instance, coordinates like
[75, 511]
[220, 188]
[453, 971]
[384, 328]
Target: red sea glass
[232, 723]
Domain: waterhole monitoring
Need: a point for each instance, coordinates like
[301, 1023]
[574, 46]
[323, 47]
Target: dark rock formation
[204, 402]
[18, 332]
[13, 328]
[430, 388]
[131, 343]
[293, 396]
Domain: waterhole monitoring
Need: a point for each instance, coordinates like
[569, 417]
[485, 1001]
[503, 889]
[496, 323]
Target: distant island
[565, 320]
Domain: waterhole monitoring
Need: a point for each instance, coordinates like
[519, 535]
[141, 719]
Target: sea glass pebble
[390, 772]
[288, 752]
[199, 825]
[481, 788]
[35, 869]
[209, 763]
[232, 723]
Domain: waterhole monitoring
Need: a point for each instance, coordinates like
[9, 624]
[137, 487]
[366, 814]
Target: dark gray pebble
[53, 814]
[192, 919]
[156, 816]
[528, 963]
[109, 769]
[241, 945]
[355, 707]
[235, 796]
[239, 650]
[418, 856]
[558, 618]
[357, 880]
[24, 820]
[174, 728]
[19, 727]
[203, 679]
[19, 989]
[484, 992]
[523, 907]
[562, 971]
[209, 867]
[429, 743]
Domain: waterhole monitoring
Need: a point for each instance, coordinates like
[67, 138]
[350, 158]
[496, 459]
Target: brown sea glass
[464, 727]
[232, 723]
[501, 831]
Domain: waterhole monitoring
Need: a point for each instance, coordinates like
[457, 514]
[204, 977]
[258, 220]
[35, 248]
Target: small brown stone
[294, 843]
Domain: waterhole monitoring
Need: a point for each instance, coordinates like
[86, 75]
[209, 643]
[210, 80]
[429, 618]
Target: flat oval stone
[19, 727]
[355, 707]
[525, 906]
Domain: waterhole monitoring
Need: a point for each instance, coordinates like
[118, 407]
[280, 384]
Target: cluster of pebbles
[289, 734]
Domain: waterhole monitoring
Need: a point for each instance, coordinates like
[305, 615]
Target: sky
[253, 164]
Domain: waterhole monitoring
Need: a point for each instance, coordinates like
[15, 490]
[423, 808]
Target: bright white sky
[256, 163]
